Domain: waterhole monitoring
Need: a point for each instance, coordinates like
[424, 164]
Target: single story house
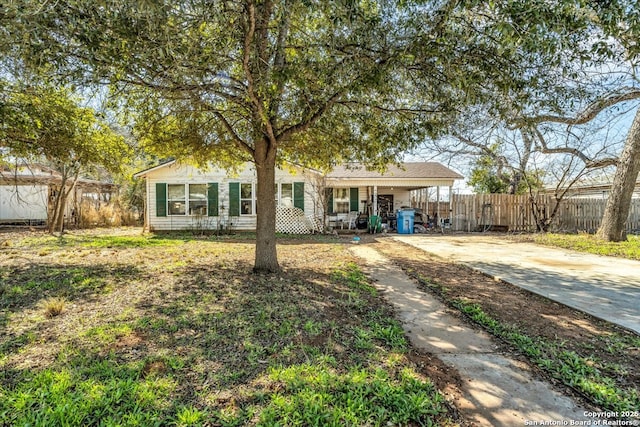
[27, 192]
[181, 196]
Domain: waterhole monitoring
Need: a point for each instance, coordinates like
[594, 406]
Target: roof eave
[390, 182]
[145, 172]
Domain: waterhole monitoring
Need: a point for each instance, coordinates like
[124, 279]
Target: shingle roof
[411, 170]
[407, 170]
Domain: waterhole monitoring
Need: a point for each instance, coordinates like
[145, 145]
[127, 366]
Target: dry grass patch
[53, 306]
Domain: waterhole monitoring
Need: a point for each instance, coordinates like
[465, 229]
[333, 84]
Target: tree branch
[589, 163]
[390, 110]
[236, 139]
[259, 108]
[305, 124]
[592, 110]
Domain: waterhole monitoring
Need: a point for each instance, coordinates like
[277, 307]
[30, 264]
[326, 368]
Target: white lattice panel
[315, 223]
[293, 221]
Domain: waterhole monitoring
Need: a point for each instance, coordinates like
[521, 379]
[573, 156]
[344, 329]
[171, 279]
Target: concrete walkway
[497, 391]
[605, 287]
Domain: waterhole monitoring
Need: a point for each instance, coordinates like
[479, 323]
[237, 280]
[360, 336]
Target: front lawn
[154, 330]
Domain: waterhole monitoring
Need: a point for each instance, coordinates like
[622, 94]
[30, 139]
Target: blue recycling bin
[405, 221]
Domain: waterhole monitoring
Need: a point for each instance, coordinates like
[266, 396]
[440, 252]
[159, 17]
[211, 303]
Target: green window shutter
[329, 197]
[161, 199]
[298, 195]
[353, 200]
[234, 199]
[212, 198]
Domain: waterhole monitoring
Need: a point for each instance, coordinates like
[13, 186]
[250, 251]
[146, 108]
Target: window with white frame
[246, 199]
[198, 199]
[341, 200]
[176, 199]
[286, 194]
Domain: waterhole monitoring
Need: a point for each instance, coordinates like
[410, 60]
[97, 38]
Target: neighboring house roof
[38, 174]
[592, 190]
[415, 170]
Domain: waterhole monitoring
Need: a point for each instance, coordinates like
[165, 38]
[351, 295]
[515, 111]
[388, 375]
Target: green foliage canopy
[43, 121]
[322, 82]
[315, 83]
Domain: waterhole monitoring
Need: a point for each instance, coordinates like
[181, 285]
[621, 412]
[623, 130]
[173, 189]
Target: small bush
[53, 307]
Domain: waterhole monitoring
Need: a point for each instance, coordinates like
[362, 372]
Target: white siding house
[182, 197]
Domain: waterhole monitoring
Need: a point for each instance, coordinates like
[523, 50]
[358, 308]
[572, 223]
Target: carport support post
[450, 206]
[375, 200]
[426, 207]
[438, 205]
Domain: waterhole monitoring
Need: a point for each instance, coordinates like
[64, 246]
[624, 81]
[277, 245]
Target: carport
[354, 188]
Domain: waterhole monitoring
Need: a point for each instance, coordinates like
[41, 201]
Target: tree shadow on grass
[250, 237]
[239, 324]
[23, 286]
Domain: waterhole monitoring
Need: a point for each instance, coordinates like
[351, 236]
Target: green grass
[588, 243]
[21, 286]
[173, 331]
[86, 391]
[97, 241]
[318, 395]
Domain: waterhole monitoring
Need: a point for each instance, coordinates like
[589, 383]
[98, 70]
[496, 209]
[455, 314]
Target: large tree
[268, 81]
[618, 205]
[45, 123]
[627, 164]
[568, 61]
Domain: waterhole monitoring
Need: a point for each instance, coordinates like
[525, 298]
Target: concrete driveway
[605, 287]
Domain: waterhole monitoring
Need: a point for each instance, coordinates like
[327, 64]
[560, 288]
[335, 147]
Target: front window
[341, 200]
[176, 199]
[198, 199]
[286, 195]
[246, 199]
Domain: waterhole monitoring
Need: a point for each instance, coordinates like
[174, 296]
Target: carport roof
[412, 170]
[410, 176]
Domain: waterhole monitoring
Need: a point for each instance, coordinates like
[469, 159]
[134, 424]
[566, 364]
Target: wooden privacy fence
[505, 212]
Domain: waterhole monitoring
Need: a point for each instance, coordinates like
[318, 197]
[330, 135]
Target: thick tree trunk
[56, 223]
[266, 260]
[59, 225]
[58, 206]
[53, 219]
[616, 212]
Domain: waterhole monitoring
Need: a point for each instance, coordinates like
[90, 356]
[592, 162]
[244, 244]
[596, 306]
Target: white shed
[23, 203]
